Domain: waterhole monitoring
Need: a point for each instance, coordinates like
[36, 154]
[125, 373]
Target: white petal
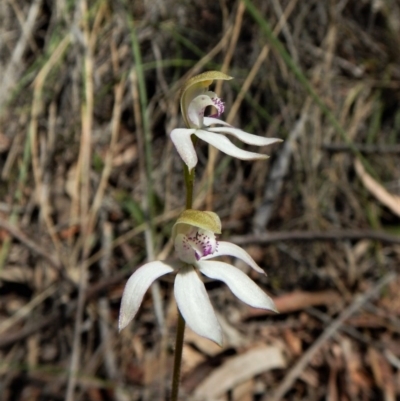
[225, 145]
[212, 120]
[245, 136]
[227, 248]
[238, 133]
[181, 137]
[136, 287]
[195, 306]
[238, 282]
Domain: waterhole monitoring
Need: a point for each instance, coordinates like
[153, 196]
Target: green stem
[189, 182]
[180, 329]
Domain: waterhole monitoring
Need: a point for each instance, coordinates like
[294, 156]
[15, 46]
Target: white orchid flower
[195, 243]
[195, 97]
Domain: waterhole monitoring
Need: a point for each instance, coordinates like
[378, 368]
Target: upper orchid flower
[195, 243]
[195, 98]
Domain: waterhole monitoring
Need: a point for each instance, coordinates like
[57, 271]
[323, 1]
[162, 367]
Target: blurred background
[91, 185]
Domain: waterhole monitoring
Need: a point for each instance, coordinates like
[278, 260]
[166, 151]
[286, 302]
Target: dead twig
[32, 245]
[212, 152]
[13, 69]
[299, 367]
[92, 292]
[361, 147]
[334, 235]
[84, 168]
[277, 174]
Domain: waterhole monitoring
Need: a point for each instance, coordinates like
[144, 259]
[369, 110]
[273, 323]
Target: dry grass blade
[83, 171]
[278, 173]
[13, 68]
[377, 190]
[212, 152]
[23, 312]
[37, 107]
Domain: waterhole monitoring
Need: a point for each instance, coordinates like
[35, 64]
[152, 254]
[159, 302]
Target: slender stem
[180, 329]
[189, 181]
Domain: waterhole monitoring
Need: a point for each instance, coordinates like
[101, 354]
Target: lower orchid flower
[195, 98]
[195, 243]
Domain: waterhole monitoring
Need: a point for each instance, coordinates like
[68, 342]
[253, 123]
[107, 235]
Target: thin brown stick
[37, 106]
[353, 332]
[9, 339]
[278, 172]
[330, 331]
[11, 73]
[257, 65]
[32, 245]
[27, 309]
[20, 17]
[105, 315]
[202, 62]
[92, 292]
[207, 179]
[115, 125]
[146, 202]
[85, 155]
[212, 152]
[334, 235]
[362, 147]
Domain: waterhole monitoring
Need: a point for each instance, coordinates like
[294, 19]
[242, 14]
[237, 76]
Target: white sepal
[238, 282]
[195, 306]
[227, 248]
[226, 146]
[181, 138]
[245, 137]
[136, 287]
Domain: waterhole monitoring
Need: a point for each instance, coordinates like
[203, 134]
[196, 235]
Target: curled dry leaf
[239, 369]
